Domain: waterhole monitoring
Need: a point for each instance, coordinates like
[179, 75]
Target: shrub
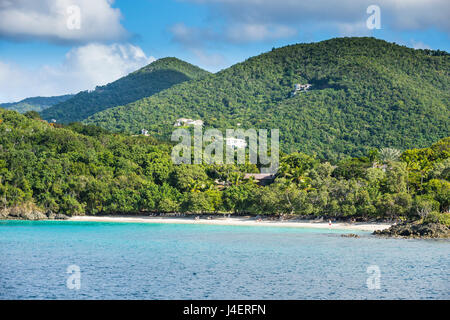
[443, 218]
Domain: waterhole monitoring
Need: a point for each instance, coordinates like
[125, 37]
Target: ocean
[107, 260]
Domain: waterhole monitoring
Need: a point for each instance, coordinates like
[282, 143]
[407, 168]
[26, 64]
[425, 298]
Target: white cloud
[235, 33]
[53, 20]
[397, 14]
[191, 36]
[417, 14]
[196, 41]
[83, 68]
[201, 41]
[353, 29]
[419, 45]
[214, 60]
[258, 32]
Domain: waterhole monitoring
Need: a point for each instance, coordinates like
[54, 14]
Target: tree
[190, 177]
[424, 205]
[396, 178]
[32, 115]
[239, 198]
[388, 155]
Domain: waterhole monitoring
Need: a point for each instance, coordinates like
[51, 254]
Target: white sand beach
[238, 221]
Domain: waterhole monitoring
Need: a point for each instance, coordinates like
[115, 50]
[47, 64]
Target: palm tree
[389, 155]
[297, 176]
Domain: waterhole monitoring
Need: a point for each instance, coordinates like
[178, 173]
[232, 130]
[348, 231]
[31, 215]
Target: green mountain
[35, 103]
[365, 93]
[153, 78]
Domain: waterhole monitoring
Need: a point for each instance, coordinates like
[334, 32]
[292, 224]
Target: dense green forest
[37, 104]
[153, 78]
[366, 93]
[78, 169]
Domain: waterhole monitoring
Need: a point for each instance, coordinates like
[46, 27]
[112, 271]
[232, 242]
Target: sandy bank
[235, 221]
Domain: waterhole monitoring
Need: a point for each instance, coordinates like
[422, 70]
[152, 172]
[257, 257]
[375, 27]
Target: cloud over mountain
[267, 20]
[400, 14]
[83, 68]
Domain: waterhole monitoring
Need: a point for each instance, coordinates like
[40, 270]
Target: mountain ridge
[153, 78]
[35, 103]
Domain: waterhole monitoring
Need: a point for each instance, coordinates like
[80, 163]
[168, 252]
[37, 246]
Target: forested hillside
[366, 93]
[155, 77]
[79, 170]
[35, 103]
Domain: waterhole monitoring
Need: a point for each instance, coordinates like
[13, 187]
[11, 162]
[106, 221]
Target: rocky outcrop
[3, 214]
[25, 213]
[416, 230]
[349, 235]
[56, 216]
[28, 212]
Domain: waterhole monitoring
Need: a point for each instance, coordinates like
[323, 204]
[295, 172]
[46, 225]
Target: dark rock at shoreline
[61, 216]
[349, 235]
[50, 215]
[416, 230]
[56, 216]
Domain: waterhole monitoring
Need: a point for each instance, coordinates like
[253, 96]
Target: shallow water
[179, 261]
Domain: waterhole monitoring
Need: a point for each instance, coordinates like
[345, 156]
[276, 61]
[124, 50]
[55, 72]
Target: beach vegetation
[81, 169]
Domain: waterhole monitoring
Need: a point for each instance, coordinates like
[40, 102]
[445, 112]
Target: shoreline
[235, 221]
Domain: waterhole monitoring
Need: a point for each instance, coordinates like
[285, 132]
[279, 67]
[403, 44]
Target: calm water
[162, 261]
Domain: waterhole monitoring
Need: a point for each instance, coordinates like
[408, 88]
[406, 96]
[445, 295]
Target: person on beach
[329, 223]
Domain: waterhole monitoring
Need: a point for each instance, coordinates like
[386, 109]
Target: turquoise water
[170, 261]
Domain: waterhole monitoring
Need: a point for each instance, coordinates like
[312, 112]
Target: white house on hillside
[236, 143]
[300, 88]
[187, 122]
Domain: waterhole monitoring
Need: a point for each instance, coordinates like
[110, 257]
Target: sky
[54, 47]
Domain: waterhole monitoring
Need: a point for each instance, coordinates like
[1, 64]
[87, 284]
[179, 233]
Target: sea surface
[178, 261]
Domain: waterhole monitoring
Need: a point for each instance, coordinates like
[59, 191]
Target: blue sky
[40, 54]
